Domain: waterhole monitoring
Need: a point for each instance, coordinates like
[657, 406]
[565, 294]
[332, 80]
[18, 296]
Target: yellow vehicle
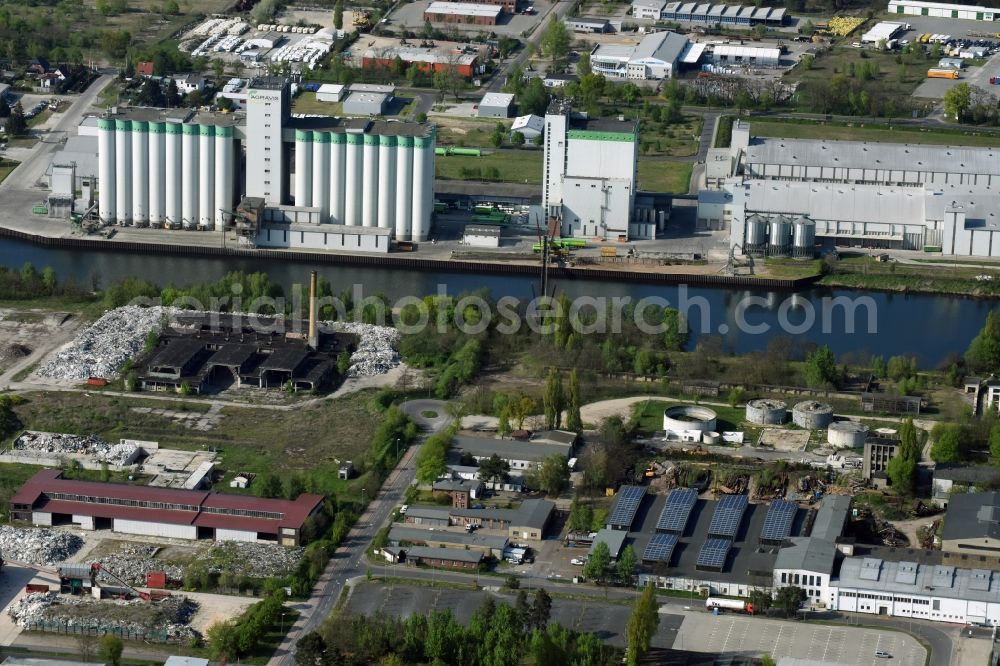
[924, 38]
[942, 73]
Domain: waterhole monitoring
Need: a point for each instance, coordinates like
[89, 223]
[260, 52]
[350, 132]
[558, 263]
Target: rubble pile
[132, 563]
[257, 560]
[37, 546]
[376, 353]
[51, 443]
[101, 349]
[14, 352]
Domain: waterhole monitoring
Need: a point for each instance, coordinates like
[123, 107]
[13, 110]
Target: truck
[939, 73]
[737, 605]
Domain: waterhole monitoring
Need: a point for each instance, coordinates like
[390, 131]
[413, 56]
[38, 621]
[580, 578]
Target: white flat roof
[332, 88]
[746, 51]
[464, 9]
[942, 5]
[496, 99]
[692, 53]
[882, 30]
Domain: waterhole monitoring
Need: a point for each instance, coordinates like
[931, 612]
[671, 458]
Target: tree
[995, 442]
[902, 472]
[789, 599]
[983, 354]
[879, 368]
[553, 476]
[583, 64]
[110, 649]
[541, 609]
[642, 624]
[821, 368]
[522, 408]
[170, 8]
[552, 399]
[957, 101]
[4, 108]
[503, 422]
[613, 432]
[272, 486]
[294, 487]
[534, 97]
[598, 561]
[948, 443]
[16, 124]
[494, 470]
[223, 640]
[574, 421]
[761, 600]
[626, 563]
[580, 516]
[338, 15]
[517, 139]
[807, 28]
[173, 96]
[555, 43]
[676, 332]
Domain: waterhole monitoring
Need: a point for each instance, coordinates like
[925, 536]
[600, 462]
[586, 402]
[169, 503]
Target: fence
[62, 626]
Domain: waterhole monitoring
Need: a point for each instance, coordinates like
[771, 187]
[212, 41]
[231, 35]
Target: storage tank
[711, 437]
[172, 167]
[689, 417]
[387, 182]
[847, 434]
[206, 182]
[321, 175]
[338, 157]
[224, 174]
[423, 155]
[765, 411]
[755, 239]
[157, 185]
[780, 236]
[140, 173]
[804, 238]
[352, 180]
[189, 176]
[303, 168]
[812, 415]
[106, 170]
[123, 171]
[888, 433]
[404, 188]
[369, 187]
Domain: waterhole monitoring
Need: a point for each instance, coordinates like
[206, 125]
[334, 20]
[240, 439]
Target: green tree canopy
[983, 354]
[821, 368]
[598, 561]
[642, 624]
[626, 563]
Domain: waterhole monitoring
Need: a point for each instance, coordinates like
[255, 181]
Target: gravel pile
[376, 353]
[132, 563]
[258, 560]
[50, 443]
[101, 349]
[37, 546]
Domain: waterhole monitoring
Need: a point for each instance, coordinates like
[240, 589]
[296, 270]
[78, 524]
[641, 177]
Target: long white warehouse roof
[935, 580]
[733, 51]
[939, 5]
[882, 30]
[464, 9]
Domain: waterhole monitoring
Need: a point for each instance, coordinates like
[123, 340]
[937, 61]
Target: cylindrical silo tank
[190, 176]
[303, 167]
[404, 188]
[804, 238]
[780, 236]
[157, 184]
[206, 182]
[338, 159]
[369, 188]
[123, 171]
[172, 167]
[812, 415]
[711, 437]
[430, 157]
[224, 175]
[755, 239]
[106, 170]
[847, 434]
[140, 173]
[321, 175]
[422, 202]
[352, 180]
[765, 411]
[387, 182]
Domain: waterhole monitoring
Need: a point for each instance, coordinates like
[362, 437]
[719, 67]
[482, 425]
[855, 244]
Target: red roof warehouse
[48, 499]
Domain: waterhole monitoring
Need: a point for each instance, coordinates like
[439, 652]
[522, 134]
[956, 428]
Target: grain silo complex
[315, 182]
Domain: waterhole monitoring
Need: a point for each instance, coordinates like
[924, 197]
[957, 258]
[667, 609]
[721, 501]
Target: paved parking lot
[411, 15]
[704, 632]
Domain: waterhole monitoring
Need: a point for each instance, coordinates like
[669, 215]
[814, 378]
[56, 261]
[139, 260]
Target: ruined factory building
[48, 499]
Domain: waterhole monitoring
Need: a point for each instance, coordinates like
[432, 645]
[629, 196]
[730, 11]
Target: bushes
[246, 633]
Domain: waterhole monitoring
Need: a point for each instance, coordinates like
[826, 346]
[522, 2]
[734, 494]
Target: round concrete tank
[780, 238]
[711, 437]
[423, 178]
[804, 238]
[404, 187]
[369, 187]
[140, 173]
[812, 415]
[766, 411]
[352, 180]
[887, 432]
[123, 171]
[756, 233]
[303, 167]
[387, 182]
[106, 170]
[224, 166]
[172, 166]
[689, 417]
[157, 184]
[206, 183]
[847, 434]
[321, 175]
[338, 156]
[189, 176]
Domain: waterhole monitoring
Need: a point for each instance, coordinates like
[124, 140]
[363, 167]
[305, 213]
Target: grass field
[514, 166]
[677, 140]
[465, 132]
[649, 416]
[6, 166]
[307, 103]
[806, 130]
[661, 176]
[895, 78]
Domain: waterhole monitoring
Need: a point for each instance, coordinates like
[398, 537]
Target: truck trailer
[941, 73]
[737, 605]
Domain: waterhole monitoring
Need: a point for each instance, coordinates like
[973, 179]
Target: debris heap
[37, 546]
[376, 353]
[132, 563]
[257, 560]
[46, 444]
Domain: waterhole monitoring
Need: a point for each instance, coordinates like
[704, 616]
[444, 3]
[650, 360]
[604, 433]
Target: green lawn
[6, 166]
[858, 132]
[894, 77]
[660, 176]
[513, 166]
[675, 140]
[307, 103]
[44, 115]
[649, 416]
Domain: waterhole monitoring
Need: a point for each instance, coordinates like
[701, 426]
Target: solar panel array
[713, 554]
[660, 548]
[727, 516]
[677, 510]
[626, 504]
[778, 523]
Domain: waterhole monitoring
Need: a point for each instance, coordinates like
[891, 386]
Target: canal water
[930, 327]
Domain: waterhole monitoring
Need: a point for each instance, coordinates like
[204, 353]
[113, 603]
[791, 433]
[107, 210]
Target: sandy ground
[216, 608]
[910, 527]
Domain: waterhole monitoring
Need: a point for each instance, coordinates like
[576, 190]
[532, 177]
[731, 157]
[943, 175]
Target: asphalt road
[559, 10]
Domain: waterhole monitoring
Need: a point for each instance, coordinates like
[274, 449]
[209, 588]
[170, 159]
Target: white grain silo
[189, 177]
[106, 169]
[224, 173]
[157, 184]
[338, 158]
[206, 180]
[404, 187]
[423, 182]
[387, 182]
[369, 187]
[140, 173]
[321, 175]
[123, 171]
[172, 166]
[303, 168]
[352, 180]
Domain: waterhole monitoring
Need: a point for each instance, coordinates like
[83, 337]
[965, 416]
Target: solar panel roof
[626, 504]
[677, 510]
[727, 516]
[778, 523]
[713, 554]
[660, 548]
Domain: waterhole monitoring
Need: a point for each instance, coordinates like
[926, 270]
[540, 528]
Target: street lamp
[397, 449]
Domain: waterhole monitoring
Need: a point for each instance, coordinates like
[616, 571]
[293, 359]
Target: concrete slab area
[781, 439]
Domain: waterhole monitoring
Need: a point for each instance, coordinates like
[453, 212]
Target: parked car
[402, 509]
[576, 561]
[882, 654]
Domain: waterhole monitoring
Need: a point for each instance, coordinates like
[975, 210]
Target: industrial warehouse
[48, 499]
[316, 182]
[782, 197]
